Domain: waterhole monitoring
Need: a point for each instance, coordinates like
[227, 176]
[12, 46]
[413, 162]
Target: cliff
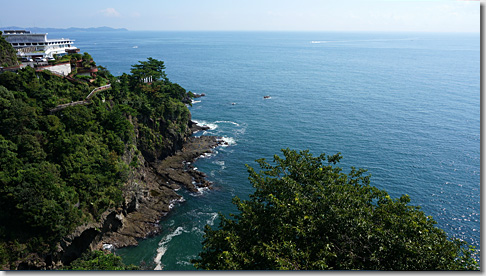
[94, 175]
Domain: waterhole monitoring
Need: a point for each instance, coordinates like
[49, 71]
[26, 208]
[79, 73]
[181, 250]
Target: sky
[247, 15]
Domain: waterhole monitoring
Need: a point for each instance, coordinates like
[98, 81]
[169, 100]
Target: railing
[86, 100]
[62, 106]
[97, 89]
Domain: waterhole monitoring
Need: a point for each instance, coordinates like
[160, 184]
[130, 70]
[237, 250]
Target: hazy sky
[310, 15]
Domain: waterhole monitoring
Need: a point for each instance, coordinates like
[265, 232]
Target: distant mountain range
[72, 29]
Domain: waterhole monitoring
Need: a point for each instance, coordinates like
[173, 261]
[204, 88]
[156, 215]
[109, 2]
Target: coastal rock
[198, 95]
[194, 127]
[151, 192]
[175, 167]
[151, 189]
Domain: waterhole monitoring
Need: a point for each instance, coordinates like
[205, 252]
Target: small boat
[266, 97]
[233, 103]
[135, 47]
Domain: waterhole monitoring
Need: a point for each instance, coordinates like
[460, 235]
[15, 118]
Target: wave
[204, 123]
[200, 191]
[174, 201]
[211, 220]
[198, 229]
[108, 246]
[185, 263]
[365, 40]
[227, 122]
[163, 246]
[206, 155]
[229, 141]
[193, 101]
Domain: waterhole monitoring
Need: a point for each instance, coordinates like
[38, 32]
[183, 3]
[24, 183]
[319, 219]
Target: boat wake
[365, 40]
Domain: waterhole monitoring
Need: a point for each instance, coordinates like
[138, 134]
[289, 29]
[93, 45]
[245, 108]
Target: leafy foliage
[8, 55]
[98, 260]
[151, 68]
[306, 214]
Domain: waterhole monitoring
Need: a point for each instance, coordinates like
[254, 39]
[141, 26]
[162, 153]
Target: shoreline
[145, 206]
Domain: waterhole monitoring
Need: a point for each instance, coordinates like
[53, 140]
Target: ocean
[404, 106]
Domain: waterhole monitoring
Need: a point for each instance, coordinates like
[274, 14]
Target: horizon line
[241, 30]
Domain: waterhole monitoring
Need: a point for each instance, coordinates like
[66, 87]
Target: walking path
[86, 100]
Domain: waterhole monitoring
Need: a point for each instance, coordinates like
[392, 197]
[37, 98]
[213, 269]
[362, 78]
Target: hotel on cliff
[31, 45]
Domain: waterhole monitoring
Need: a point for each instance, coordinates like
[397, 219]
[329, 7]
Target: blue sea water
[404, 106]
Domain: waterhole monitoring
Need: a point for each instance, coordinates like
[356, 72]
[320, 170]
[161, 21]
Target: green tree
[98, 260]
[152, 68]
[87, 61]
[307, 214]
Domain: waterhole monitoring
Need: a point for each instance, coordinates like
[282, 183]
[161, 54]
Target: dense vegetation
[61, 169]
[307, 214]
[8, 55]
[98, 260]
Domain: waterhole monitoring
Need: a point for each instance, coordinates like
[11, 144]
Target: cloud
[109, 12]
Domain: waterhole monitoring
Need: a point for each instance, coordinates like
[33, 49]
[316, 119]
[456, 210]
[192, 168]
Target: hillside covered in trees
[62, 169]
[8, 56]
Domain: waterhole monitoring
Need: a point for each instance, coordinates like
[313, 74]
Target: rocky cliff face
[7, 53]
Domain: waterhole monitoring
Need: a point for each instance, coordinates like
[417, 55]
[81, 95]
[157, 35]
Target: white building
[33, 45]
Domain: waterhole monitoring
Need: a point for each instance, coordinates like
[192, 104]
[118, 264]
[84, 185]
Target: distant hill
[72, 29]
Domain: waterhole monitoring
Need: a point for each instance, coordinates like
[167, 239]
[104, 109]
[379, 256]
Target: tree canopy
[152, 68]
[98, 260]
[306, 214]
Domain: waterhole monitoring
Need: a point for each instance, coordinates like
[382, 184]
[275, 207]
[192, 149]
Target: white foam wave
[211, 220]
[205, 155]
[108, 246]
[229, 141]
[174, 201]
[220, 163]
[183, 263]
[212, 126]
[163, 246]
[193, 101]
[227, 122]
[200, 191]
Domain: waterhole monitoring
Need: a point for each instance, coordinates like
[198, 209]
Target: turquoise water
[405, 106]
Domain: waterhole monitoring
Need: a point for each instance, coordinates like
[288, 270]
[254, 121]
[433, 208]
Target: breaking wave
[228, 122]
[229, 141]
[163, 246]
